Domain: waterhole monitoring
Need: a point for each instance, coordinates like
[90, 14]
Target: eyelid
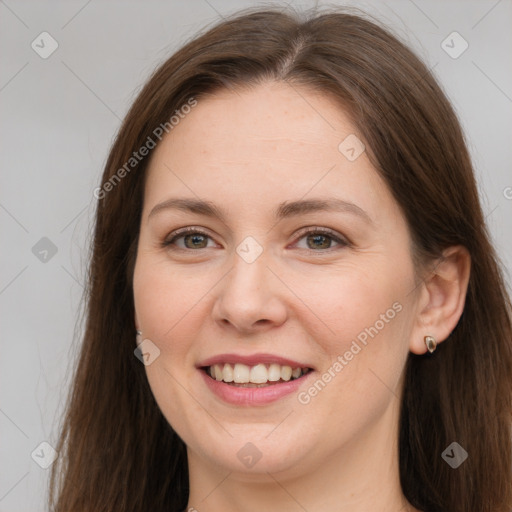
[319, 229]
[337, 237]
[169, 239]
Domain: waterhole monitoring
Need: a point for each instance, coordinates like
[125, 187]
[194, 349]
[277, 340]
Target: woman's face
[298, 258]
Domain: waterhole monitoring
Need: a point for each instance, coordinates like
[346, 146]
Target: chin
[253, 453]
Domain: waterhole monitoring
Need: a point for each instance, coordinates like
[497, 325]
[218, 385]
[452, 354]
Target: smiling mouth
[260, 375]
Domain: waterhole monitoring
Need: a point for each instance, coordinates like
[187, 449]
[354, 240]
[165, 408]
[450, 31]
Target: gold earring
[431, 343]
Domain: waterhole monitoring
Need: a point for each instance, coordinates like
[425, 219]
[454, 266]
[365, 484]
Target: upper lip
[252, 360]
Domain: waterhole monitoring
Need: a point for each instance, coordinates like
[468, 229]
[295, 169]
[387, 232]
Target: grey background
[58, 117]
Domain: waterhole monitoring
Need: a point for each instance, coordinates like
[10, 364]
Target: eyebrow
[284, 210]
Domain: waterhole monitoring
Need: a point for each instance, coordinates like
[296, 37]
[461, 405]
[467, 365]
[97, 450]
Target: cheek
[351, 304]
[369, 316]
[166, 298]
[366, 318]
[361, 378]
[165, 307]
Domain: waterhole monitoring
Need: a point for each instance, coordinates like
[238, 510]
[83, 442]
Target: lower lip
[253, 396]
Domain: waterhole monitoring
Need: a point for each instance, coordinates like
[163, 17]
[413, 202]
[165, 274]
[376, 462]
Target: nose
[250, 298]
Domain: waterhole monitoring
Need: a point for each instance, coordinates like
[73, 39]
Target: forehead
[273, 141]
[273, 111]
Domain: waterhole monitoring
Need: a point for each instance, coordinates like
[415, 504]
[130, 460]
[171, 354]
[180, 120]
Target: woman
[293, 300]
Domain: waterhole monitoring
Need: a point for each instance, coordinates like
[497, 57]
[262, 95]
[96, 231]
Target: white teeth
[227, 373]
[274, 372]
[258, 374]
[286, 372]
[241, 373]
[217, 372]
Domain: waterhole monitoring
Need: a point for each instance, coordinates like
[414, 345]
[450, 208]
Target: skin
[247, 152]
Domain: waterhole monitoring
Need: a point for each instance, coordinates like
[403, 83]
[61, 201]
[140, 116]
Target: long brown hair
[118, 452]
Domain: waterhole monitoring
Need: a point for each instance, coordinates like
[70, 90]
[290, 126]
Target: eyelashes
[319, 234]
[196, 238]
[185, 233]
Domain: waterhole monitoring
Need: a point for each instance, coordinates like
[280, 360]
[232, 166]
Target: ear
[441, 298]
